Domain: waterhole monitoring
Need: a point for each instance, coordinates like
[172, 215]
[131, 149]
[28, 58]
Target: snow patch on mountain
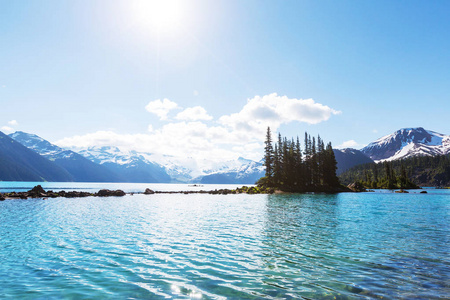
[41, 146]
[408, 142]
[180, 169]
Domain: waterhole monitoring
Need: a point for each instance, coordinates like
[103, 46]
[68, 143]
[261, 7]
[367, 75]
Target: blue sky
[84, 72]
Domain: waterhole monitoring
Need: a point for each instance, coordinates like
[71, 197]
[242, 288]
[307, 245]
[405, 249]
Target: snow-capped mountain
[234, 171]
[116, 165]
[408, 142]
[167, 168]
[18, 163]
[134, 166]
[81, 169]
[41, 146]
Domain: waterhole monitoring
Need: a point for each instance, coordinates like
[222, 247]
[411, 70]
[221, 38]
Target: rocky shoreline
[39, 192]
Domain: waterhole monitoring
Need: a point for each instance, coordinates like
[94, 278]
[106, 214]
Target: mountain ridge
[80, 168]
[18, 163]
[408, 142]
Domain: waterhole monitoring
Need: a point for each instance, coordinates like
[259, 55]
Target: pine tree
[307, 163]
[290, 171]
[299, 165]
[276, 166]
[320, 159]
[314, 166]
[403, 177]
[268, 157]
[330, 167]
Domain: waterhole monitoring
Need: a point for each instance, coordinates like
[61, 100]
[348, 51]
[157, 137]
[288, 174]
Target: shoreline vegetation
[404, 173]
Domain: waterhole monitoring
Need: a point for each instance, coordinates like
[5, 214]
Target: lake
[342, 246]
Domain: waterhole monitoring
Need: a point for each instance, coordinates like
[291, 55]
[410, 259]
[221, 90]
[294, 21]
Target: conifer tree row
[402, 174]
[290, 169]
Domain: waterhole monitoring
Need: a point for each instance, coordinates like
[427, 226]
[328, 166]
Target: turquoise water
[348, 246]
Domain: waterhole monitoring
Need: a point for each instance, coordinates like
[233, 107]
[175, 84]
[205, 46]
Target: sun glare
[162, 15]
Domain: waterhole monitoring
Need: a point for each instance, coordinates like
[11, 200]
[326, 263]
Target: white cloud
[193, 114]
[348, 144]
[7, 129]
[234, 135]
[179, 139]
[273, 110]
[13, 123]
[150, 128]
[161, 108]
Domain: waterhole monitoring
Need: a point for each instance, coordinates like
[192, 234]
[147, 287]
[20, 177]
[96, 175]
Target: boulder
[119, 193]
[107, 193]
[149, 191]
[2, 198]
[37, 192]
[424, 192]
[104, 193]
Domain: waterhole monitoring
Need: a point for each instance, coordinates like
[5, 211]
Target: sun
[162, 15]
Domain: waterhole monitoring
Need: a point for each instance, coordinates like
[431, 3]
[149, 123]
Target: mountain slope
[347, 158]
[131, 165]
[18, 163]
[240, 171]
[408, 142]
[147, 167]
[421, 170]
[81, 169]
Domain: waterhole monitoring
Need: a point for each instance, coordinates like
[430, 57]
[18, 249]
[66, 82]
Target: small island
[289, 169]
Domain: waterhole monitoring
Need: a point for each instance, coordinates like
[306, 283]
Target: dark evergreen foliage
[407, 173]
[288, 169]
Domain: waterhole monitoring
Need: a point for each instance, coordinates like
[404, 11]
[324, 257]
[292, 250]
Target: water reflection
[349, 245]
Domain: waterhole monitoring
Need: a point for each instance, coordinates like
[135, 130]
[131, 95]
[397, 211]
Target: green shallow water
[344, 246]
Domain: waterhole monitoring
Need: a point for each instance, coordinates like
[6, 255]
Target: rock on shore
[39, 192]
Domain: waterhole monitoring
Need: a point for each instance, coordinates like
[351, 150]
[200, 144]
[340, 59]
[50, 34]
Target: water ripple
[347, 246]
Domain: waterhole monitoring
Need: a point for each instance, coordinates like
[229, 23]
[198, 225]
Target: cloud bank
[195, 133]
[273, 110]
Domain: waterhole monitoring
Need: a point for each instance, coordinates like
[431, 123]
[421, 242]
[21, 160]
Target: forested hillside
[419, 170]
